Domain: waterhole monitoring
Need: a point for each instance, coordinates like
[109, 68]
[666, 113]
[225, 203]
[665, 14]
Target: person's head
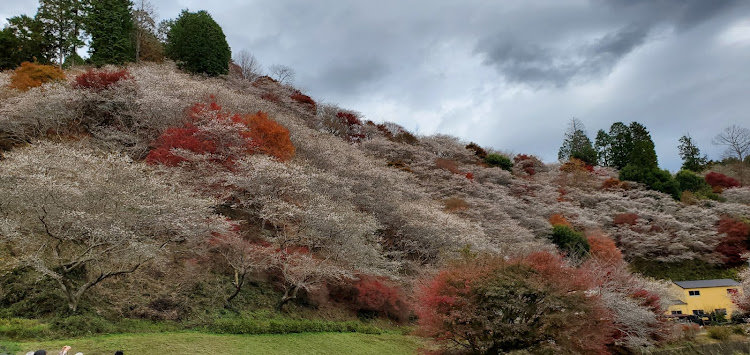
[79, 353]
[40, 352]
[119, 352]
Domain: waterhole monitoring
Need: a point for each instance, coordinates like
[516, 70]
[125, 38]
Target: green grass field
[202, 343]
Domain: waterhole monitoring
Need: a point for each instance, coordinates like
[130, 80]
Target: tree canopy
[197, 43]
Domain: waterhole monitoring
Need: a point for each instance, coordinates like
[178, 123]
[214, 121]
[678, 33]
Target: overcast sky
[507, 74]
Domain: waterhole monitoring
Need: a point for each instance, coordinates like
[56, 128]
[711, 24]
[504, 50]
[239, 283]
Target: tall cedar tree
[577, 144]
[26, 42]
[643, 166]
[110, 25]
[198, 45]
[691, 155]
[62, 22]
[621, 144]
[602, 146]
[643, 153]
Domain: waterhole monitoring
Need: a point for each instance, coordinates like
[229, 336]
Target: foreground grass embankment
[202, 343]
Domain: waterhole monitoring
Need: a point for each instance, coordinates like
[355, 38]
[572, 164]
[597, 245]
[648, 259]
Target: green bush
[82, 325]
[497, 160]
[719, 333]
[286, 326]
[570, 241]
[19, 328]
[690, 181]
[654, 178]
[198, 45]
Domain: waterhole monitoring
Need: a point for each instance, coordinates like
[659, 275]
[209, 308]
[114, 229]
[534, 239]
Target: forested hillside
[145, 192]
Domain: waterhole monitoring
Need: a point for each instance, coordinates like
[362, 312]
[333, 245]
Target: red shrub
[604, 249]
[268, 96]
[626, 218]
[30, 75]
[350, 118]
[735, 241]
[304, 99]
[223, 135]
[470, 176]
[100, 80]
[379, 295]
[720, 180]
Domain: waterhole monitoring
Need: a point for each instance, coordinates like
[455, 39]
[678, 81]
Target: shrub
[455, 204]
[198, 45]
[379, 295]
[447, 164]
[100, 80]
[487, 305]
[720, 180]
[719, 333]
[576, 165]
[690, 181]
[478, 151]
[18, 329]
[527, 164]
[270, 137]
[304, 99]
[612, 183]
[571, 242]
[30, 75]
[604, 249]
[654, 178]
[406, 138]
[735, 241]
[269, 96]
[626, 218]
[211, 132]
[559, 220]
[500, 161]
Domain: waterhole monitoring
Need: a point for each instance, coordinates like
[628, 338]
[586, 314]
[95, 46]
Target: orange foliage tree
[30, 75]
[270, 137]
[488, 305]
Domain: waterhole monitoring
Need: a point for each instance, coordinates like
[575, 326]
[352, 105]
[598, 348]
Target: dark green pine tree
[621, 145]
[198, 45]
[603, 148]
[691, 155]
[110, 24]
[643, 153]
[577, 144]
[9, 57]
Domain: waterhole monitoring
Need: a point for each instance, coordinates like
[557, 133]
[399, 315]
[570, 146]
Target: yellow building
[704, 296]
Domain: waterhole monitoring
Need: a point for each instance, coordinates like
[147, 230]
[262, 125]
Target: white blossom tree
[81, 216]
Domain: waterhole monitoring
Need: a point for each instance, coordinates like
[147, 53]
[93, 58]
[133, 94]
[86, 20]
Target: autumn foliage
[603, 248]
[222, 136]
[735, 240]
[626, 218]
[30, 75]
[720, 180]
[304, 99]
[270, 137]
[100, 80]
[381, 296]
[488, 305]
[559, 220]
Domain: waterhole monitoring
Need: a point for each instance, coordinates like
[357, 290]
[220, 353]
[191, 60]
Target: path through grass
[202, 343]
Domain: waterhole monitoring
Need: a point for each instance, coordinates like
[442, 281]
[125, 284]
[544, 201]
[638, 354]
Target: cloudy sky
[508, 74]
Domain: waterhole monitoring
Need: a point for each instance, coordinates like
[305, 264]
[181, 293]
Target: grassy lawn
[202, 343]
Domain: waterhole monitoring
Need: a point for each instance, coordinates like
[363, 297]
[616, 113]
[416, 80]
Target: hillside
[155, 197]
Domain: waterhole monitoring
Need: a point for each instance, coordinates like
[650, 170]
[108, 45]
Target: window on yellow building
[694, 293]
[676, 312]
[698, 312]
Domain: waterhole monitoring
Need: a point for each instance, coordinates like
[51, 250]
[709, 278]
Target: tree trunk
[239, 280]
[287, 297]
